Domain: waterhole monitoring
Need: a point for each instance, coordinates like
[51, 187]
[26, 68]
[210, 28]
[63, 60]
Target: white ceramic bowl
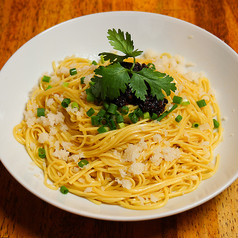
[86, 36]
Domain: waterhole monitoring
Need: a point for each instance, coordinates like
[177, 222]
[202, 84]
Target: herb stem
[133, 65]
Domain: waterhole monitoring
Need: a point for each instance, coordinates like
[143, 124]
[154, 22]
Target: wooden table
[24, 215]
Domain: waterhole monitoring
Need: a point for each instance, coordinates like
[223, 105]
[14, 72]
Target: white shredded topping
[74, 157]
[81, 180]
[59, 97]
[153, 198]
[32, 145]
[43, 137]
[167, 153]
[64, 70]
[204, 127]
[53, 131]
[75, 169]
[134, 151]
[126, 183]
[137, 168]
[88, 190]
[157, 138]
[50, 101]
[142, 200]
[66, 145]
[61, 154]
[122, 172]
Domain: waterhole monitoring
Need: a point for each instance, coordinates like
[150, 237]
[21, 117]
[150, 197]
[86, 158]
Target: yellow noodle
[140, 166]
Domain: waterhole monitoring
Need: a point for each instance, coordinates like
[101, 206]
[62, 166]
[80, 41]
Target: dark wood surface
[23, 214]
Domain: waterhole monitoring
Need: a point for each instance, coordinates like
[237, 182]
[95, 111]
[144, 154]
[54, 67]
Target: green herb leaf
[109, 81]
[112, 80]
[155, 79]
[138, 86]
[122, 42]
[112, 57]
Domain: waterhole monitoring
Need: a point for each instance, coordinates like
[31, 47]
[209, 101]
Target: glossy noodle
[140, 166]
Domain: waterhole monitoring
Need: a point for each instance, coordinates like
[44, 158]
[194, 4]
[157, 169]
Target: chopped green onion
[154, 116]
[48, 87]
[112, 124]
[167, 112]
[195, 125]
[41, 153]
[107, 116]
[103, 121]
[185, 102]
[106, 106]
[112, 108]
[94, 62]
[73, 71]
[64, 190]
[146, 115]
[65, 103]
[121, 125]
[216, 123]
[162, 116]
[75, 105]
[65, 84]
[101, 113]
[177, 99]
[124, 110]
[90, 112]
[201, 103]
[139, 112]
[178, 118]
[102, 129]
[82, 163]
[46, 79]
[102, 59]
[82, 80]
[173, 108]
[119, 118]
[133, 117]
[95, 120]
[40, 112]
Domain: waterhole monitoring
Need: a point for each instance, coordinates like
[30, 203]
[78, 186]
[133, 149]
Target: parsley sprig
[109, 81]
[123, 43]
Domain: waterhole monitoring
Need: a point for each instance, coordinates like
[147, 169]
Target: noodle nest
[140, 166]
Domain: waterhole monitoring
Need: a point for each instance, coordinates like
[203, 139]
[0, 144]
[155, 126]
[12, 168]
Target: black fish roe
[151, 104]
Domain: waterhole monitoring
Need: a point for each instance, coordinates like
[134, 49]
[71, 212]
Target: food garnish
[111, 81]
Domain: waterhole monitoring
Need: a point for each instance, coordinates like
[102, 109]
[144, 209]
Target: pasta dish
[112, 151]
